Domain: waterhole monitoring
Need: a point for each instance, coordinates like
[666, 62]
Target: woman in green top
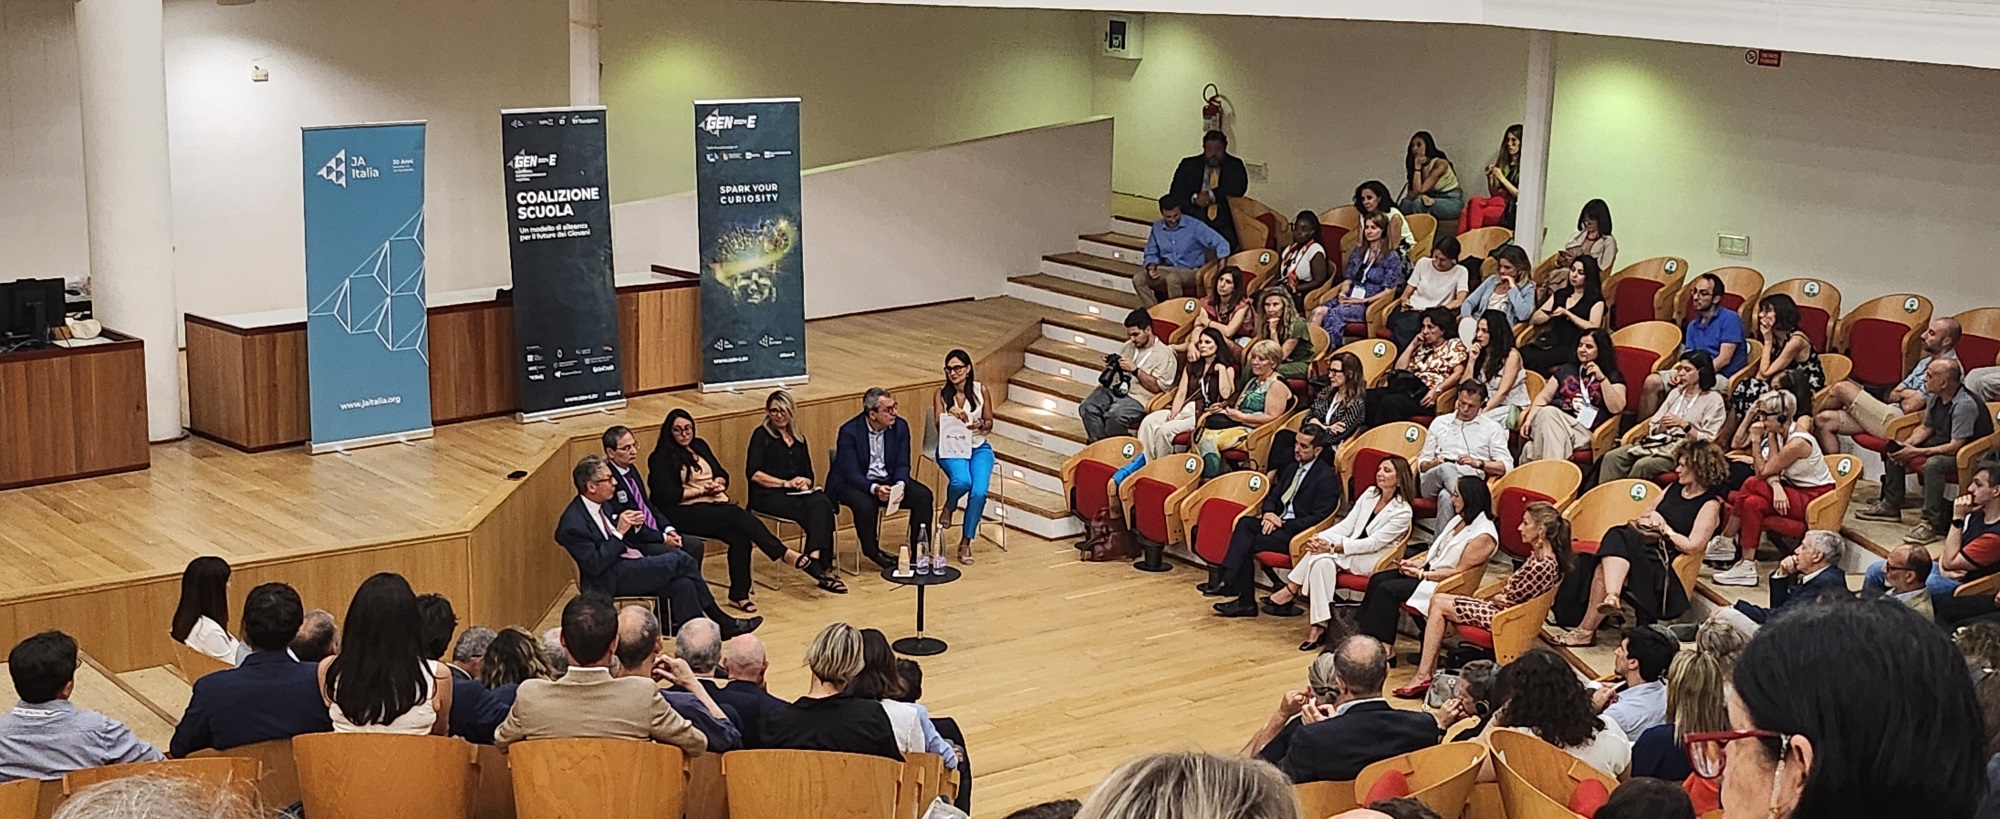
[1433, 185]
[1503, 183]
[1280, 323]
[1263, 400]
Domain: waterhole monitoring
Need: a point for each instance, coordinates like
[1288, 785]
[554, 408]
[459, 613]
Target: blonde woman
[1695, 705]
[783, 484]
[1191, 785]
[1261, 401]
[827, 718]
[1547, 533]
[1209, 381]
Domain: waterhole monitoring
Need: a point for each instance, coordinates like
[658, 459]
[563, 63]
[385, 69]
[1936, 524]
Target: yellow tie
[1214, 181]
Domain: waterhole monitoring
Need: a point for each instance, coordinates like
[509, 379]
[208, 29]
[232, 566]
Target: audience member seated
[1265, 398]
[153, 796]
[319, 637]
[638, 654]
[1806, 742]
[1302, 264]
[1478, 687]
[1437, 280]
[1979, 643]
[1433, 364]
[1276, 321]
[1371, 198]
[1952, 419]
[1692, 411]
[1375, 271]
[1227, 309]
[1142, 368]
[270, 696]
[1192, 785]
[1431, 184]
[1786, 349]
[1647, 799]
[1400, 807]
[941, 728]
[1510, 290]
[1695, 681]
[468, 653]
[1058, 809]
[589, 700]
[1464, 443]
[46, 736]
[1904, 572]
[1850, 410]
[1377, 521]
[1788, 472]
[784, 485]
[1574, 401]
[1301, 496]
[1503, 186]
[1496, 365]
[1336, 412]
[1206, 387]
[1639, 700]
[381, 681]
[514, 657]
[1547, 533]
[618, 554]
[1343, 724]
[691, 481]
[1546, 699]
[1176, 248]
[1569, 309]
[473, 716]
[965, 401]
[1462, 542]
[1207, 181]
[871, 463]
[1971, 550]
[880, 681]
[741, 683]
[1635, 562]
[1593, 238]
[204, 609]
[826, 718]
[1811, 572]
[1712, 330]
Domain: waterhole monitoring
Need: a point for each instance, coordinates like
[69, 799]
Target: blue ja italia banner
[367, 346]
[753, 306]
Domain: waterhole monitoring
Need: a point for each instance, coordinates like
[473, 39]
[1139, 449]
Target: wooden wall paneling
[632, 356]
[668, 338]
[218, 399]
[70, 413]
[515, 566]
[472, 362]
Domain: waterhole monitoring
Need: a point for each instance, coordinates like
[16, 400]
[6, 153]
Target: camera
[1114, 379]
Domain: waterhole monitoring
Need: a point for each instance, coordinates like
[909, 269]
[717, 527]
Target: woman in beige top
[1692, 410]
[1593, 238]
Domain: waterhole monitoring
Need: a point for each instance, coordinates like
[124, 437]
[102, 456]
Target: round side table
[920, 645]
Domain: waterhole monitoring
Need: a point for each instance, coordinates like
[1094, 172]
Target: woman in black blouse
[1565, 314]
[782, 480]
[687, 478]
[826, 718]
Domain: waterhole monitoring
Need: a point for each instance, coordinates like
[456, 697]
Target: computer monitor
[29, 307]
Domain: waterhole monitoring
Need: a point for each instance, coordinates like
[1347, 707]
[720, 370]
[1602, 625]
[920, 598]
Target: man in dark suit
[742, 686]
[1342, 725]
[617, 554]
[1208, 180]
[1302, 494]
[1807, 575]
[270, 696]
[621, 451]
[871, 456]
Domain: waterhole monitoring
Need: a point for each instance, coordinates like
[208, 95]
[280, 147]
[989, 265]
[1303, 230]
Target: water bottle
[923, 549]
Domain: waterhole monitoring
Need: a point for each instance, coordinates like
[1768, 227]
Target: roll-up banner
[559, 232]
[753, 306]
[367, 348]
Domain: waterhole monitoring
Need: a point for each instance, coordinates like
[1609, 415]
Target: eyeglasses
[1707, 750]
[957, 368]
[776, 411]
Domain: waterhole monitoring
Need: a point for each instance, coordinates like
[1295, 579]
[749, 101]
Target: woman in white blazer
[1378, 521]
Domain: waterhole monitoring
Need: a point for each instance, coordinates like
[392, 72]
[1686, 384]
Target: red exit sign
[1764, 57]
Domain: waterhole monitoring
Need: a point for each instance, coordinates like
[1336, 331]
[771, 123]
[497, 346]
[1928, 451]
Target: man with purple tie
[621, 450]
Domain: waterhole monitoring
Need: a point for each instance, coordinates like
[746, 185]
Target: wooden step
[1025, 455]
[1083, 359]
[1115, 240]
[1065, 388]
[1087, 292]
[1062, 426]
[1100, 264]
[1020, 495]
[1087, 325]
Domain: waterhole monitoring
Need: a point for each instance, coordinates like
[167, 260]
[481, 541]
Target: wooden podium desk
[73, 411]
[247, 372]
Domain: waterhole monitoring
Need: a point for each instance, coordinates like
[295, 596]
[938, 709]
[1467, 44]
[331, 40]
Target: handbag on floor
[1108, 538]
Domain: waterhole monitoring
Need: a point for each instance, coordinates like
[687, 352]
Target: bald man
[1952, 419]
[1335, 738]
[1848, 409]
[742, 669]
[638, 651]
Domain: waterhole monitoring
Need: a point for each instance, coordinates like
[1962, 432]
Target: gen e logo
[1381, 349]
[1638, 491]
[1188, 307]
[1256, 482]
[1410, 433]
[1127, 450]
[1192, 465]
[1846, 465]
[1811, 289]
[1264, 257]
[1910, 305]
[1673, 266]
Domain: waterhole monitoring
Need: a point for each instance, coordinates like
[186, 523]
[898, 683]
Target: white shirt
[1446, 553]
[1363, 534]
[908, 725]
[210, 638]
[1482, 438]
[1431, 287]
[1343, 707]
[1608, 750]
[596, 511]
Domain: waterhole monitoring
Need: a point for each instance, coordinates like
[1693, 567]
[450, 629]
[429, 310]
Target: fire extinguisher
[1211, 108]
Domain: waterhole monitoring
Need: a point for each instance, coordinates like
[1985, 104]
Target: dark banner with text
[753, 305]
[559, 232]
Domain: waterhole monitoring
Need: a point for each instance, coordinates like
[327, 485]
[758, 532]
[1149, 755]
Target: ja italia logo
[340, 167]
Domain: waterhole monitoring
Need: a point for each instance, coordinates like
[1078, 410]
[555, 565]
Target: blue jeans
[969, 475]
[1873, 582]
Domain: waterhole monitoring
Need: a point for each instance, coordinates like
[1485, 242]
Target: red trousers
[1482, 211]
[1752, 504]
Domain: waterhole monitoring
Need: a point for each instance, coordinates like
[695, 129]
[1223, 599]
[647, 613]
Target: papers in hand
[895, 498]
[954, 438]
[803, 491]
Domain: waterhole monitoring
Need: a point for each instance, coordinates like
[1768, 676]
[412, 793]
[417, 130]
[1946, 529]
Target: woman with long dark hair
[880, 681]
[1576, 398]
[1206, 385]
[1544, 697]
[1432, 185]
[1337, 412]
[1372, 197]
[1227, 308]
[1567, 311]
[380, 681]
[687, 478]
[1497, 364]
[201, 620]
[1375, 269]
[1547, 533]
[1503, 186]
[783, 483]
[1465, 545]
[1786, 349]
[963, 399]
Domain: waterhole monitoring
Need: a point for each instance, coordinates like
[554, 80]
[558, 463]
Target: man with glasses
[1711, 328]
[871, 464]
[1849, 409]
[1904, 573]
[621, 451]
[45, 736]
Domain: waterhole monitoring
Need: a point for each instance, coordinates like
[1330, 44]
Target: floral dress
[1370, 277]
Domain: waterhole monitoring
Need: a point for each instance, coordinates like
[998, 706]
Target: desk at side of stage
[247, 372]
[73, 411]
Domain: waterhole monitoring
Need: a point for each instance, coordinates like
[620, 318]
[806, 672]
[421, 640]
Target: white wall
[1327, 104]
[41, 143]
[916, 227]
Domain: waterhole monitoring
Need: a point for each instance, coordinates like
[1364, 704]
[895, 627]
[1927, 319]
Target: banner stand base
[550, 416]
[345, 447]
[738, 386]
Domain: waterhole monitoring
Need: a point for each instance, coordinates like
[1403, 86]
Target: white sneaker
[1720, 549]
[1744, 573]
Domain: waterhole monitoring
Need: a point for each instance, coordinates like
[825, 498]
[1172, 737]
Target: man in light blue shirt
[46, 736]
[1711, 328]
[1640, 702]
[1175, 249]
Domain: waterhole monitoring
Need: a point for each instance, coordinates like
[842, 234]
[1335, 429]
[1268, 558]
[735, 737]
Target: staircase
[1037, 427]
